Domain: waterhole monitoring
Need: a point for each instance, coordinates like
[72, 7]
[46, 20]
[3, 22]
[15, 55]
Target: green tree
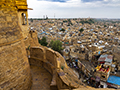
[46, 18]
[64, 21]
[63, 29]
[38, 40]
[68, 25]
[69, 20]
[91, 20]
[114, 25]
[98, 26]
[105, 25]
[43, 41]
[31, 20]
[81, 30]
[56, 45]
[51, 43]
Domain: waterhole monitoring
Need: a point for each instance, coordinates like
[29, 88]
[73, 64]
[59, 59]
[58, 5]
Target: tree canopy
[31, 19]
[56, 45]
[43, 41]
[105, 25]
[81, 30]
[98, 26]
[63, 29]
[89, 21]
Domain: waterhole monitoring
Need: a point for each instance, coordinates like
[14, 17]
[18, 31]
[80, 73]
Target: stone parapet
[56, 65]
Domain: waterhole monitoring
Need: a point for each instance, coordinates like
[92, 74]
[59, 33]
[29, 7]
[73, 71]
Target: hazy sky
[74, 8]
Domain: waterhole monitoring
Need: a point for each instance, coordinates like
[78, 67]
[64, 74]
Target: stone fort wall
[14, 65]
[50, 60]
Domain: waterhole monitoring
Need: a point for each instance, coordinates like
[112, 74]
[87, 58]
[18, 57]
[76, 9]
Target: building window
[24, 19]
[103, 76]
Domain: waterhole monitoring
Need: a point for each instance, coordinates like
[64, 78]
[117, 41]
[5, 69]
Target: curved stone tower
[14, 65]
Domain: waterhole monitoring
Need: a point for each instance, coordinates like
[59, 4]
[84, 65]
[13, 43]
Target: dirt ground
[41, 78]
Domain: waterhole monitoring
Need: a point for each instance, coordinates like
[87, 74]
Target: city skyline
[74, 8]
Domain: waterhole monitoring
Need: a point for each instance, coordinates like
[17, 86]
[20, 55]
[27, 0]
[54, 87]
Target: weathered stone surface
[14, 65]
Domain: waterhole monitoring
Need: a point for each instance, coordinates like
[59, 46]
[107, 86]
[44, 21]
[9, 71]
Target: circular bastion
[14, 65]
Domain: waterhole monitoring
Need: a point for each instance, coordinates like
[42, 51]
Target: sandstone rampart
[14, 65]
[63, 78]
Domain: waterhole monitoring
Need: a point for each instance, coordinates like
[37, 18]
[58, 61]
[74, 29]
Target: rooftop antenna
[46, 17]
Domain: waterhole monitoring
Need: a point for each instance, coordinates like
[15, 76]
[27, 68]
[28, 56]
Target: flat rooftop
[114, 80]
